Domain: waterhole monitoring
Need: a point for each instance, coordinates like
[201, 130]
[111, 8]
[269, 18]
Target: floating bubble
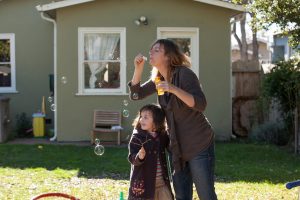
[125, 113]
[52, 107]
[135, 96]
[64, 79]
[99, 150]
[125, 102]
[50, 99]
[97, 141]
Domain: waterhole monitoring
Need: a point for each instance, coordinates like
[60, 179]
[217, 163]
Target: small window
[102, 61]
[7, 63]
[187, 40]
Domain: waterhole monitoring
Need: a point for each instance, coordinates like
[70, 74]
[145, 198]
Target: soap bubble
[125, 102]
[125, 113]
[135, 96]
[52, 107]
[99, 150]
[97, 141]
[50, 99]
[64, 80]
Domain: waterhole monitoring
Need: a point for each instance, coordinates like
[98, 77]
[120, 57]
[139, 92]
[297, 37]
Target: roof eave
[59, 4]
[224, 4]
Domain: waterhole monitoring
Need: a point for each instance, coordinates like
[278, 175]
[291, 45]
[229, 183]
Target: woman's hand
[142, 153]
[186, 97]
[139, 62]
[166, 87]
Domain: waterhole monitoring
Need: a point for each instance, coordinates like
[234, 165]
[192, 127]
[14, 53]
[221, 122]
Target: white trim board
[223, 4]
[66, 3]
[59, 4]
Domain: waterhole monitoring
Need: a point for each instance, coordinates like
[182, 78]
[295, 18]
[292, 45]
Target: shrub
[271, 133]
[23, 125]
[283, 85]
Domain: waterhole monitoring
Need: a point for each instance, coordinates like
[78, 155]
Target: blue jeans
[199, 170]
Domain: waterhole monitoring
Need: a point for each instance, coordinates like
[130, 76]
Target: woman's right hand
[139, 66]
[139, 62]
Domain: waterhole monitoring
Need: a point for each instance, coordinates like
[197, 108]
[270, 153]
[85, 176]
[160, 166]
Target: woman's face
[157, 56]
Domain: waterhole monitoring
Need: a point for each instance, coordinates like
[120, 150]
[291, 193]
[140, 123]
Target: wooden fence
[246, 82]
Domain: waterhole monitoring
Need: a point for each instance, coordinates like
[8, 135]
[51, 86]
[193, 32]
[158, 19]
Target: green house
[89, 47]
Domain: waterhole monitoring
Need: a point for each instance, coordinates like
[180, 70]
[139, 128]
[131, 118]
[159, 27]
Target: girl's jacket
[143, 172]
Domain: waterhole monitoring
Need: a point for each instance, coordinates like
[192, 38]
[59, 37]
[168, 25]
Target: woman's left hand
[166, 87]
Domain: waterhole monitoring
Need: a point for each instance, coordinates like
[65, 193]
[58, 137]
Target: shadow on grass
[255, 163]
[234, 161]
[112, 164]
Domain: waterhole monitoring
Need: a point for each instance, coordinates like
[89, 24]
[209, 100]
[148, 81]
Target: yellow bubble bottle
[160, 91]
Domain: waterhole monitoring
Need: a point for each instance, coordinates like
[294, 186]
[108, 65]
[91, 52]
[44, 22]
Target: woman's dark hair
[159, 118]
[176, 57]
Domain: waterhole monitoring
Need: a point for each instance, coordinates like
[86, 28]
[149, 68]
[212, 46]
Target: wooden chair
[104, 122]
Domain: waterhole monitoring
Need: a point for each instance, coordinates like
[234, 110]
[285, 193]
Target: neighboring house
[281, 48]
[89, 46]
[264, 51]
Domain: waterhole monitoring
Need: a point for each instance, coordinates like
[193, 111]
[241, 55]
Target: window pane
[102, 75]
[4, 50]
[184, 44]
[5, 75]
[101, 46]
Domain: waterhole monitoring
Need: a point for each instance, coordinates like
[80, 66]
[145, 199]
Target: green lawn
[243, 171]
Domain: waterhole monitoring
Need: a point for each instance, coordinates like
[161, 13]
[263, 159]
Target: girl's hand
[142, 153]
[139, 61]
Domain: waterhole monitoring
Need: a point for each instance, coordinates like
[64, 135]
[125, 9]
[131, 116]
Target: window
[187, 40]
[102, 61]
[7, 63]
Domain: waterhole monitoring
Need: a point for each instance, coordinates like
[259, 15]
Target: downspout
[55, 69]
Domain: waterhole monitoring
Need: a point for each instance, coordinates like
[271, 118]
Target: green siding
[34, 57]
[34, 54]
[75, 112]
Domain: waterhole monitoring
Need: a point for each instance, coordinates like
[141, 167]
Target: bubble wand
[141, 143]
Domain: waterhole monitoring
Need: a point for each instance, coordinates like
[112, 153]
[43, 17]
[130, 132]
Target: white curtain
[99, 47]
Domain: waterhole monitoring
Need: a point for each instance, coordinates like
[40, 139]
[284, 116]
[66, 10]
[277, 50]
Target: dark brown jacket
[190, 132]
[143, 172]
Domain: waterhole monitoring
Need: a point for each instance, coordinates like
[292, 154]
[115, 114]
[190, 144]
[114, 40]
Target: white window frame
[99, 91]
[12, 88]
[184, 32]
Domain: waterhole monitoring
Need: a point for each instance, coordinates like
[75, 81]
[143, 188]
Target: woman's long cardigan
[190, 131]
[143, 172]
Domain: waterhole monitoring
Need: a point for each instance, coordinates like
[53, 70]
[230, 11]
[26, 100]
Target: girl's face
[146, 121]
[157, 56]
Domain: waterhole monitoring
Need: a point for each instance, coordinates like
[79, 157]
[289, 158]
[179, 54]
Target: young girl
[149, 174]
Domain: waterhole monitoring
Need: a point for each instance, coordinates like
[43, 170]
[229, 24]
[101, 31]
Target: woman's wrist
[172, 89]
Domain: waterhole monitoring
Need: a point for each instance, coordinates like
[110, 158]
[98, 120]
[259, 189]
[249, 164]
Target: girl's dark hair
[176, 57]
[159, 118]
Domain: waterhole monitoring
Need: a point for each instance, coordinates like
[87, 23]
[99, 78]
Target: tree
[284, 13]
[242, 41]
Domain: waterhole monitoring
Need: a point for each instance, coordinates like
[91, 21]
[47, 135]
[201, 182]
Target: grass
[243, 171]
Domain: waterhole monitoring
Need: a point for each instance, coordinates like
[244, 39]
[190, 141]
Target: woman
[191, 135]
